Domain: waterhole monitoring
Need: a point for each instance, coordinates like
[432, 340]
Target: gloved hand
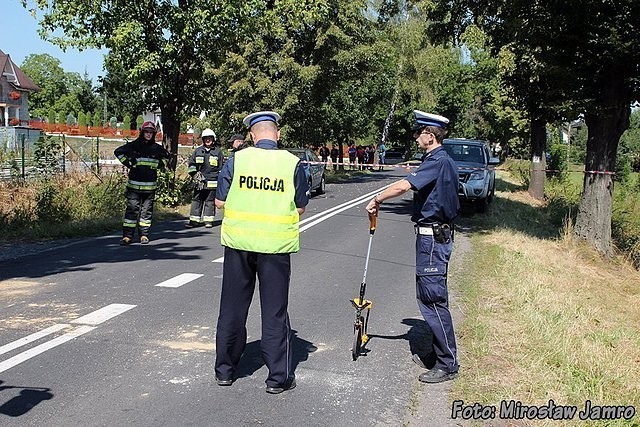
[133, 160]
[199, 180]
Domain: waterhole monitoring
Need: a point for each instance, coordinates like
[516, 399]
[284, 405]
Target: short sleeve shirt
[436, 189]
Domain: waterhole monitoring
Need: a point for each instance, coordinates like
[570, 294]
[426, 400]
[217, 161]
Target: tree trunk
[593, 222]
[171, 131]
[538, 158]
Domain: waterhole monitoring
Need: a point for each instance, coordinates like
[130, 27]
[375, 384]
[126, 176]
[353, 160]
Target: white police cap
[427, 119]
[261, 116]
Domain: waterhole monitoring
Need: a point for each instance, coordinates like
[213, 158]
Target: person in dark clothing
[204, 165]
[436, 205]
[143, 157]
[324, 155]
[334, 157]
[237, 143]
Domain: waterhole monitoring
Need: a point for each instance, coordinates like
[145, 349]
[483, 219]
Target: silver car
[314, 171]
[476, 173]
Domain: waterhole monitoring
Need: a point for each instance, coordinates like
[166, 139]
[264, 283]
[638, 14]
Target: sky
[19, 38]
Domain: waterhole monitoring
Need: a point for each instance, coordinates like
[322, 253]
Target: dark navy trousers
[238, 282]
[432, 261]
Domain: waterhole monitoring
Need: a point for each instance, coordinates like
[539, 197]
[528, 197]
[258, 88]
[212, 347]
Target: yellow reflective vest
[260, 214]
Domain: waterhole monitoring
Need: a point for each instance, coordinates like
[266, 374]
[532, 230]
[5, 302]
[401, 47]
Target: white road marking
[33, 337]
[324, 215]
[102, 315]
[26, 355]
[179, 280]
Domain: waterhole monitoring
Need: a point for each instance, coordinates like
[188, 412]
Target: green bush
[557, 161]
[623, 169]
[52, 205]
[173, 190]
[126, 122]
[97, 121]
[48, 155]
[82, 119]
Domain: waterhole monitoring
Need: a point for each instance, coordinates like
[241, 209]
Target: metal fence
[63, 154]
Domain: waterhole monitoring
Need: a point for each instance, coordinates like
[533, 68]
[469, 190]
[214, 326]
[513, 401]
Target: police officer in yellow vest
[263, 192]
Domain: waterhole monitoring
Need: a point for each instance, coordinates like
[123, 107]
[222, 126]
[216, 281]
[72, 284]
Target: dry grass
[550, 320]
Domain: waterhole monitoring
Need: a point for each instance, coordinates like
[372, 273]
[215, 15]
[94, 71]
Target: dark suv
[475, 170]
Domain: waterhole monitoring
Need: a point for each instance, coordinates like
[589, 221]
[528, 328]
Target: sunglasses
[417, 133]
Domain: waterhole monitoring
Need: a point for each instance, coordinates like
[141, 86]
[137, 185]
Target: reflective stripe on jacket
[260, 214]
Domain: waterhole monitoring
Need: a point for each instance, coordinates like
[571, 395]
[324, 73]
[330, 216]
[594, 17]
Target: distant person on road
[335, 153]
[352, 151]
[204, 165]
[436, 205]
[263, 192]
[360, 154]
[382, 150]
[143, 157]
[370, 152]
[324, 155]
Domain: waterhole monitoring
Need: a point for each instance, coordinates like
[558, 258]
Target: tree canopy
[570, 58]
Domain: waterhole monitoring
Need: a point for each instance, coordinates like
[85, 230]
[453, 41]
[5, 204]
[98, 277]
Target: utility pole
[104, 115]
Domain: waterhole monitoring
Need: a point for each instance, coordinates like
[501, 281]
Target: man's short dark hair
[438, 132]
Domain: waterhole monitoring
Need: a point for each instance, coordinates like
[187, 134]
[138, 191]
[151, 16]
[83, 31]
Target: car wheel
[321, 188]
[491, 193]
[482, 204]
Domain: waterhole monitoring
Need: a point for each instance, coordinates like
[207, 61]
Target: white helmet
[208, 132]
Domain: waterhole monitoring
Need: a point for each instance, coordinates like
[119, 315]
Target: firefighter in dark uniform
[204, 165]
[263, 191]
[436, 205]
[143, 156]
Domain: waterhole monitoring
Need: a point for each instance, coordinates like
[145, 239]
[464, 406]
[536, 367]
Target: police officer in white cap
[263, 192]
[436, 205]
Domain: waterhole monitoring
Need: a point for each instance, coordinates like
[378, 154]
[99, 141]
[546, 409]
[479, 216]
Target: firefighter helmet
[149, 125]
[208, 132]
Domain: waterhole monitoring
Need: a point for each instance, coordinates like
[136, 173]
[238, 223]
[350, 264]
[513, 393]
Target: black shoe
[223, 383]
[437, 376]
[277, 390]
[126, 241]
[416, 359]
[191, 224]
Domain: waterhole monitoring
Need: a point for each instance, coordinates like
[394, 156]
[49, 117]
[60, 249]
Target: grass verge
[545, 318]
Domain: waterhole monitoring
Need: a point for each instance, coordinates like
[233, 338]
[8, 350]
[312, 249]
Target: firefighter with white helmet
[204, 165]
[143, 157]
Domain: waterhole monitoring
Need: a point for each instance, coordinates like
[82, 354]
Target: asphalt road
[95, 334]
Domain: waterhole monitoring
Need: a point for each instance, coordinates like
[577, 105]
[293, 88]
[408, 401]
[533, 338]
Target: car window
[300, 154]
[465, 153]
[313, 157]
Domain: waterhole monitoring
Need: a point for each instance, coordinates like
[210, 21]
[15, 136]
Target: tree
[97, 119]
[162, 45]
[580, 57]
[46, 72]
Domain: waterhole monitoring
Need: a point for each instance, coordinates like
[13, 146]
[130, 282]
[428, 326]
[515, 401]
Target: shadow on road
[28, 399]
[251, 359]
[419, 337]
[167, 243]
